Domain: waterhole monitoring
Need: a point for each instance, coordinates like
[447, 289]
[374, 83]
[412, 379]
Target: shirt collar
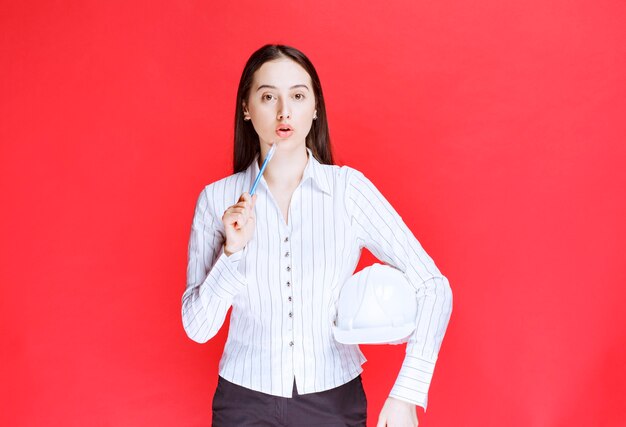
[313, 170]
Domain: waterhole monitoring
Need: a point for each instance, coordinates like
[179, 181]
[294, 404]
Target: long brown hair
[246, 139]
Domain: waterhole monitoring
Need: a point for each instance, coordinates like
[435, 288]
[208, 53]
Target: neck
[286, 168]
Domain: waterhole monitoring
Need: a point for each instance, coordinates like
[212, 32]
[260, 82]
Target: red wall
[496, 129]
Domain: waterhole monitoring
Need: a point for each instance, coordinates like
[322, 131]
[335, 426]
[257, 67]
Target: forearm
[204, 306]
[422, 350]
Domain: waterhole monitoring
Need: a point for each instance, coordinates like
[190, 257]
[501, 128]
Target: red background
[496, 129]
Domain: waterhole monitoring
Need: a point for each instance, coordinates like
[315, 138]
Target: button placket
[286, 264]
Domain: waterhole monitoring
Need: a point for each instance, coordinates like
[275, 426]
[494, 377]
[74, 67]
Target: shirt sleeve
[213, 279]
[379, 228]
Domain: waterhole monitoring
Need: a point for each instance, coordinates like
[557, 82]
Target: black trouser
[341, 406]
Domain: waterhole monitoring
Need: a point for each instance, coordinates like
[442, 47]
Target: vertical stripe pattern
[284, 285]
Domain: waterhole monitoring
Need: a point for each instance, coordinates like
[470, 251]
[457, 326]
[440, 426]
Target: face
[281, 95]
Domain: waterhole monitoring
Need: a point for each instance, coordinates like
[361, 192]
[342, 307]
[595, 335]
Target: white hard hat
[377, 305]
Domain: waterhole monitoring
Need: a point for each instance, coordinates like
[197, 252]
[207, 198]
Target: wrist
[228, 251]
[406, 402]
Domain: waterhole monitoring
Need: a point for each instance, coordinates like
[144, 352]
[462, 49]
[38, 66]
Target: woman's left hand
[397, 413]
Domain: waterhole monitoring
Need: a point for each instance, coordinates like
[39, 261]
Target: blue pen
[267, 159]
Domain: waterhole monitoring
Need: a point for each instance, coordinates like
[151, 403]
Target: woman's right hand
[239, 221]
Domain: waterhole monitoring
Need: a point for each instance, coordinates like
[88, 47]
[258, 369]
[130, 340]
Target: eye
[267, 97]
[299, 96]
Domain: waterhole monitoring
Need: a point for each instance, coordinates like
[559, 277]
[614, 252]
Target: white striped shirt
[284, 285]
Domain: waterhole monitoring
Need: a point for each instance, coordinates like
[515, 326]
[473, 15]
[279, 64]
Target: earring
[315, 116]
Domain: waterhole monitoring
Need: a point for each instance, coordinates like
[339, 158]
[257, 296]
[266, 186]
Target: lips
[284, 130]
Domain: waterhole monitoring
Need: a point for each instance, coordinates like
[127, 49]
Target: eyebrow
[274, 87]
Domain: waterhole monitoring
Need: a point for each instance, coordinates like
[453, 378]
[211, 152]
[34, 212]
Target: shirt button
[290, 343]
[290, 314]
[289, 299]
[288, 284]
[286, 239]
[288, 268]
[286, 253]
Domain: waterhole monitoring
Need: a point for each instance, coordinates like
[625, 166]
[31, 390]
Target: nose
[283, 112]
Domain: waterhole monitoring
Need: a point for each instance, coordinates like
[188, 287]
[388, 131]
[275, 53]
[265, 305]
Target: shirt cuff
[235, 257]
[414, 381]
[227, 281]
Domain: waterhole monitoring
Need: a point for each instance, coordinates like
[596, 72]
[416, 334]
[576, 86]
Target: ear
[246, 114]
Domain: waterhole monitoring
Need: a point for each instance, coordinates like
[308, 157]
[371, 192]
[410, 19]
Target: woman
[279, 259]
